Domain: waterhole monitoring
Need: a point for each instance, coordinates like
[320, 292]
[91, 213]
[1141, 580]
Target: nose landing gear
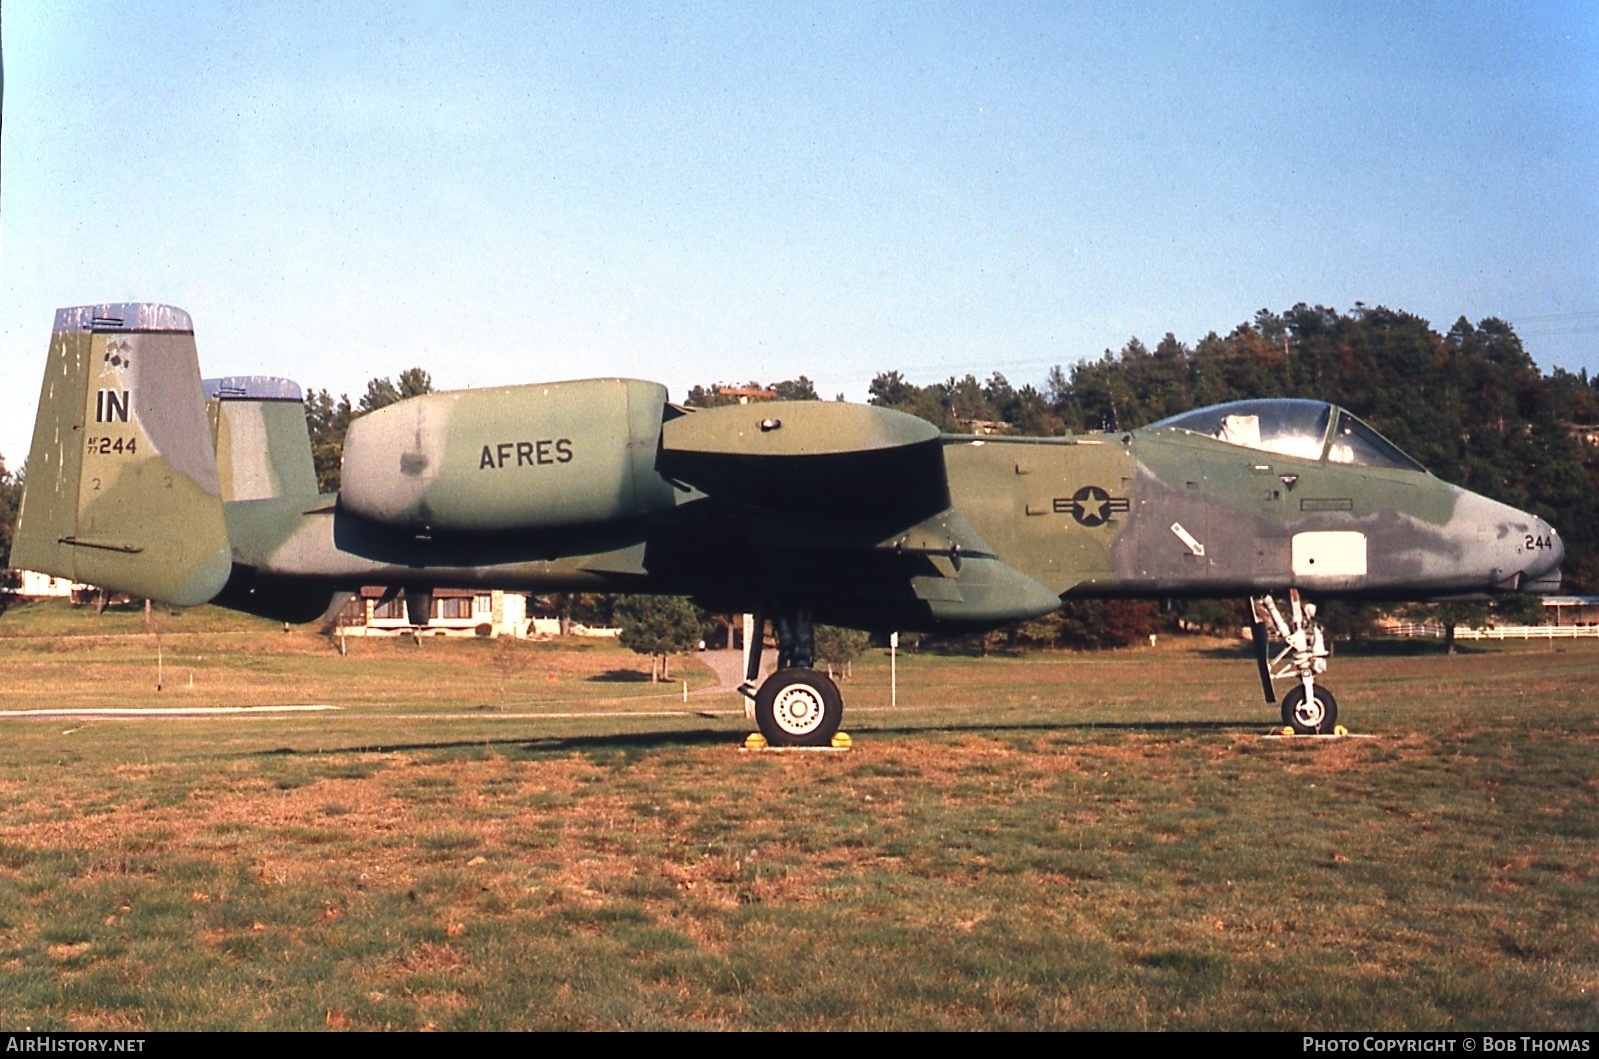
[1306, 708]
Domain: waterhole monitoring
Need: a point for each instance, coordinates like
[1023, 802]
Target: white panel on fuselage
[1329, 553]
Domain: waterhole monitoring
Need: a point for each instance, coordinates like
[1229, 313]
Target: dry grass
[1054, 841]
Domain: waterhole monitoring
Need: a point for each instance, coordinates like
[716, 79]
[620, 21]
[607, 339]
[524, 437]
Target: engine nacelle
[510, 457]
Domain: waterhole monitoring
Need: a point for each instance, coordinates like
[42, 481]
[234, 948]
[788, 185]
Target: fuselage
[1161, 511]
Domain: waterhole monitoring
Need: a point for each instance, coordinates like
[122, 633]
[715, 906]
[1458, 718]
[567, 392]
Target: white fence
[1501, 632]
[1530, 632]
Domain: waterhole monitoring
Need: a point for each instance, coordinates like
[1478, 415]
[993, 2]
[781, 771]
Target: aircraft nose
[1557, 556]
[1519, 550]
[1545, 552]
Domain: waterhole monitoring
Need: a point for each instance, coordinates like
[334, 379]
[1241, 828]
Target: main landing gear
[797, 705]
[1307, 708]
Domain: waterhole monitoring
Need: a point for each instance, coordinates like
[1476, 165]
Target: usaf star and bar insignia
[1091, 506]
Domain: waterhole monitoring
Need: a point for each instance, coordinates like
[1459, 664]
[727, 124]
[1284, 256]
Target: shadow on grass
[1410, 648]
[552, 744]
[1404, 648]
[620, 676]
[1407, 647]
[639, 741]
[1254, 725]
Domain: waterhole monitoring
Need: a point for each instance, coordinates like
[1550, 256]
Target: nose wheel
[1314, 714]
[1308, 708]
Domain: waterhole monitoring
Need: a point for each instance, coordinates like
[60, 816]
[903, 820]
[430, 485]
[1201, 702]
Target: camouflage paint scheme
[1423, 538]
[864, 516]
[126, 491]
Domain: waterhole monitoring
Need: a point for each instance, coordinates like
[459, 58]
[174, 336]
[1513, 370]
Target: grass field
[1048, 841]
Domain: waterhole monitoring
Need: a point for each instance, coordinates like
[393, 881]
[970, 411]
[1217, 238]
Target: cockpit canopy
[1309, 430]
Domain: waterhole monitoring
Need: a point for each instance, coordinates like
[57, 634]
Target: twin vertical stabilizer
[122, 488]
[263, 447]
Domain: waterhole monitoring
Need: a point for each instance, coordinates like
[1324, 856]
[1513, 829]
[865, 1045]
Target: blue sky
[706, 192]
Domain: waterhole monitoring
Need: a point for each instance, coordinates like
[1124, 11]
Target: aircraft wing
[844, 505]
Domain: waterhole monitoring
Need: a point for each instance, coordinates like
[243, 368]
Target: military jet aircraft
[145, 479]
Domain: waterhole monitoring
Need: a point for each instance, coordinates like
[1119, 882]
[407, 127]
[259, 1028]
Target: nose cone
[1508, 549]
[1544, 553]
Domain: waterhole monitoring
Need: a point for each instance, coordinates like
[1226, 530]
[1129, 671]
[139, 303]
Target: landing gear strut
[796, 706]
[1307, 709]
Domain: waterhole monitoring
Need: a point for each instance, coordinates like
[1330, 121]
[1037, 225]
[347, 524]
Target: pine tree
[658, 626]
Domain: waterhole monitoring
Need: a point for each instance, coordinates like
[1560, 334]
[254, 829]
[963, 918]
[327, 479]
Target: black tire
[1319, 718]
[798, 707]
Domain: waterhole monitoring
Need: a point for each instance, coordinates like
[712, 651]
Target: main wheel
[798, 707]
[1316, 717]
